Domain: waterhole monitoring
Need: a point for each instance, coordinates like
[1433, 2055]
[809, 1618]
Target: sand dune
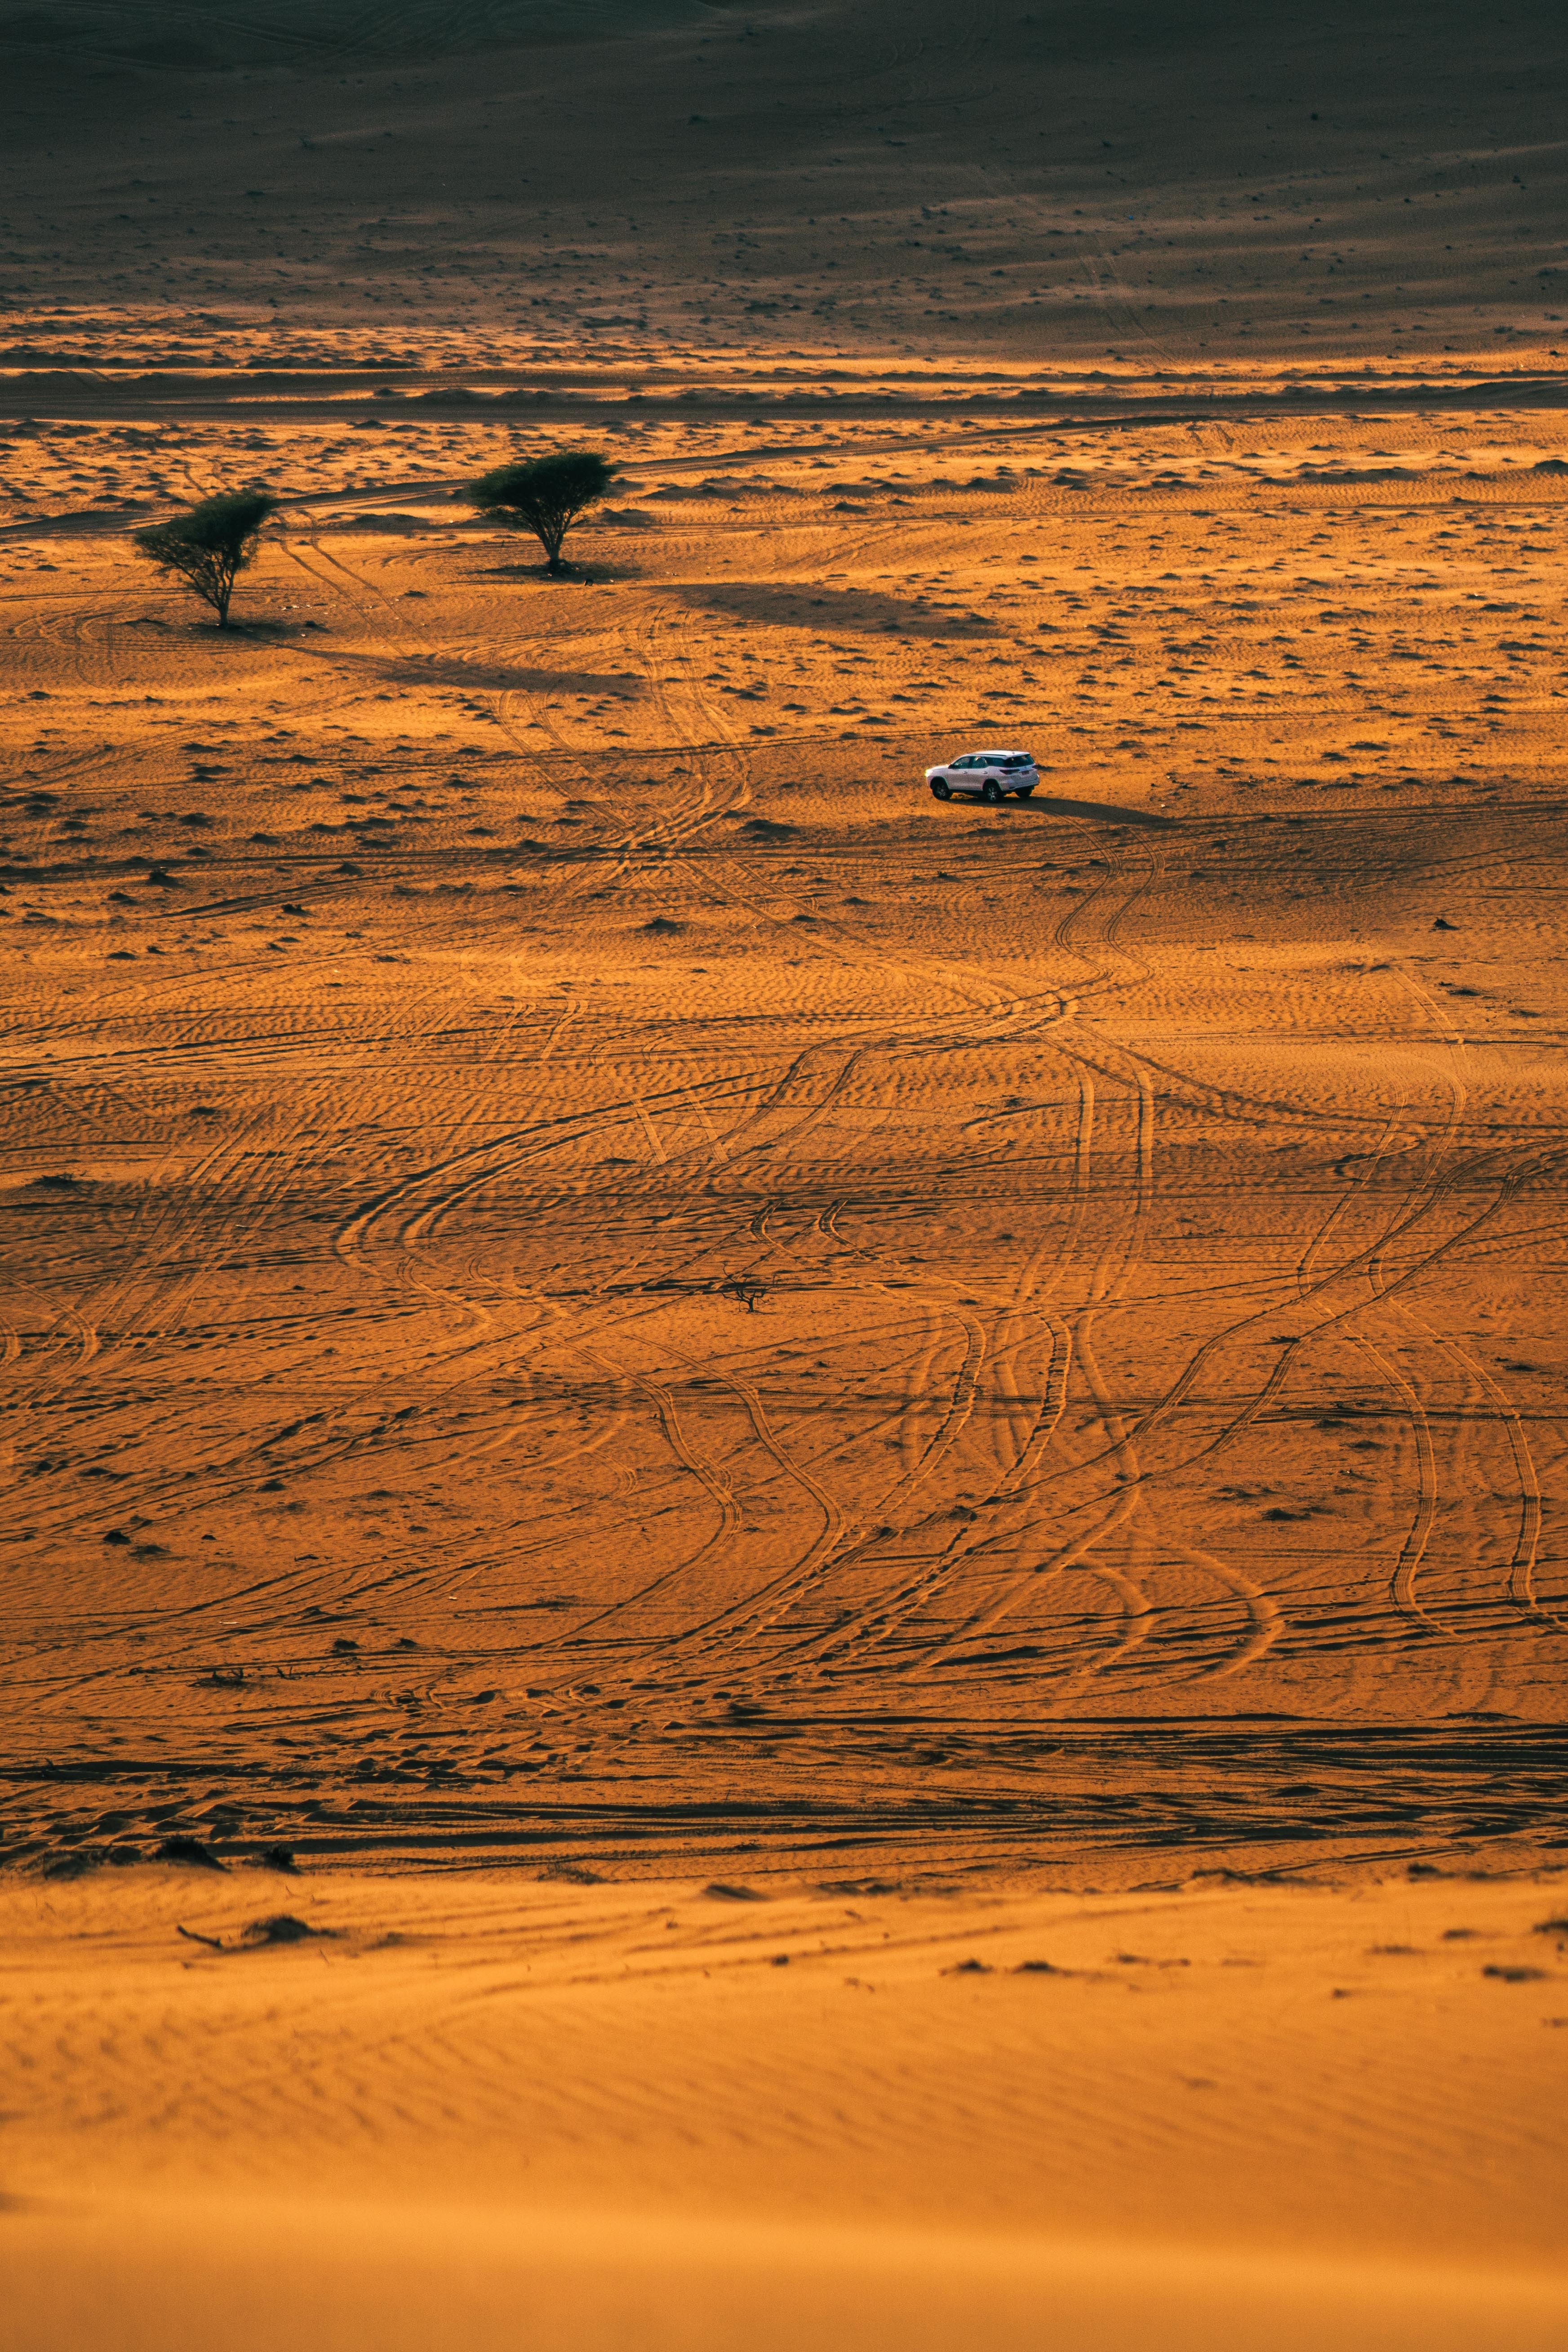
[604, 2112]
[634, 1352]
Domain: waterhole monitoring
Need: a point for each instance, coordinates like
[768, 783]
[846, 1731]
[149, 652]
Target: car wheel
[1023, 791]
[991, 792]
[941, 792]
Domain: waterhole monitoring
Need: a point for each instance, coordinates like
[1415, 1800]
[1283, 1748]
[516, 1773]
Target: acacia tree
[210, 547]
[545, 496]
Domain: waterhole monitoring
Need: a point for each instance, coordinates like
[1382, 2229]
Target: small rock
[190, 1850]
[76, 1865]
[281, 1928]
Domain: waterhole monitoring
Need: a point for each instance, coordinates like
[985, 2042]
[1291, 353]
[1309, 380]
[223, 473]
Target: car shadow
[1098, 812]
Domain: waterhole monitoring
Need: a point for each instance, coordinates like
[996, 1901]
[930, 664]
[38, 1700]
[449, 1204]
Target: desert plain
[785, 1565]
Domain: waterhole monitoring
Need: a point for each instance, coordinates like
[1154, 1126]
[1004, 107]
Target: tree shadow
[270, 624]
[814, 607]
[576, 574]
[386, 520]
[490, 678]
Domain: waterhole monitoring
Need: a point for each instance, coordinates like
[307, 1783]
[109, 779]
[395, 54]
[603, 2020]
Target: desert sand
[854, 1508]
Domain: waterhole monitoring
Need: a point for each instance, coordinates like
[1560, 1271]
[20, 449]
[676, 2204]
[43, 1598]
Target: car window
[965, 762]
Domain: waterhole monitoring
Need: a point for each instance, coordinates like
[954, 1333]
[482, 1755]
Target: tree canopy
[211, 545]
[545, 496]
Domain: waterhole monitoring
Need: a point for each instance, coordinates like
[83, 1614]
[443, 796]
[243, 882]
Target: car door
[961, 773]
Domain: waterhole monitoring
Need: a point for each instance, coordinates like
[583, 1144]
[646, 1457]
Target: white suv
[989, 774]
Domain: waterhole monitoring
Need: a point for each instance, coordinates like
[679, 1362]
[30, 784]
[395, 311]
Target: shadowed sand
[697, 1409]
